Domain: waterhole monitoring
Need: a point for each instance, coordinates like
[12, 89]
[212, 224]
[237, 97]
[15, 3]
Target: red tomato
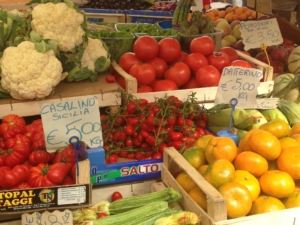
[101, 215]
[115, 196]
[129, 130]
[169, 49]
[157, 155]
[144, 89]
[39, 156]
[207, 76]
[162, 147]
[219, 60]
[180, 73]
[165, 85]
[127, 60]
[145, 47]
[10, 177]
[182, 57]
[110, 79]
[144, 73]
[241, 63]
[192, 83]
[203, 44]
[138, 156]
[195, 61]
[176, 136]
[230, 52]
[159, 65]
[177, 144]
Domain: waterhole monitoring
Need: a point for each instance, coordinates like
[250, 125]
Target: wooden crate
[216, 204]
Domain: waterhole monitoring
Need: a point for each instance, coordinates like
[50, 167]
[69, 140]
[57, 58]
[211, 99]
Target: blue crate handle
[74, 141]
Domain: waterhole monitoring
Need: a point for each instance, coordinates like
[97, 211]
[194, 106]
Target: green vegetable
[117, 42]
[4, 93]
[169, 195]
[126, 217]
[137, 27]
[291, 110]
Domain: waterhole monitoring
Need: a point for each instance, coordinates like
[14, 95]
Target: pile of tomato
[162, 66]
[24, 161]
[141, 130]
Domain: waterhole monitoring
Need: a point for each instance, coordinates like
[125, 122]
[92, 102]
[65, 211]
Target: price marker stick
[233, 103]
[263, 46]
[74, 141]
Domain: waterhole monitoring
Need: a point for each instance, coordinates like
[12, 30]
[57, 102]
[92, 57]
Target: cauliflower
[27, 73]
[94, 59]
[60, 22]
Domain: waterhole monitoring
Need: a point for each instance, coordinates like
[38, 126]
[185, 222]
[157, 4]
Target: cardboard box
[102, 174]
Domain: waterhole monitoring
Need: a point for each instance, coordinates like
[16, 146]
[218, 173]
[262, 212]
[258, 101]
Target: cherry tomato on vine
[110, 79]
[115, 196]
[157, 155]
[113, 158]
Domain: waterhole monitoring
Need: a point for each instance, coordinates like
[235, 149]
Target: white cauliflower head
[58, 22]
[28, 74]
[94, 50]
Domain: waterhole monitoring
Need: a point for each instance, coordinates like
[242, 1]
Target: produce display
[24, 162]
[116, 4]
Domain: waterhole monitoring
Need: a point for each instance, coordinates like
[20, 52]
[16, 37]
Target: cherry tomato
[159, 65]
[176, 136]
[145, 146]
[144, 73]
[207, 76]
[130, 156]
[115, 196]
[124, 154]
[101, 215]
[162, 147]
[113, 158]
[129, 130]
[203, 44]
[110, 79]
[201, 124]
[157, 155]
[145, 47]
[201, 131]
[169, 49]
[230, 52]
[204, 117]
[180, 73]
[139, 156]
[165, 85]
[127, 60]
[177, 144]
[219, 60]
[195, 61]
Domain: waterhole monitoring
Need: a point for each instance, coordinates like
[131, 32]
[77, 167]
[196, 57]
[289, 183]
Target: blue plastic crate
[165, 24]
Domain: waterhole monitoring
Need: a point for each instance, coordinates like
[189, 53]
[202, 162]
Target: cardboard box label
[39, 198]
[48, 218]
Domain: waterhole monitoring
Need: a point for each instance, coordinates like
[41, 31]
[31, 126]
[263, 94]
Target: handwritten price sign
[48, 218]
[257, 32]
[240, 83]
[64, 119]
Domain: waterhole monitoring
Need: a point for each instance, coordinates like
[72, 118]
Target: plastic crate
[148, 16]
[158, 38]
[165, 24]
[185, 40]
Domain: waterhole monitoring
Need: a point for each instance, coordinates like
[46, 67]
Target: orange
[264, 204]
[253, 15]
[295, 130]
[215, 12]
[249, 181]
[244, 144]
[220, 148]
[229, 17]
[202, 169]
[219, 172]
[239, 11]
[247, 13]
[238, 199]
[203, 141]
[244, 8]
[199, 197]
[236, 17]
[296, 137]
[228, 10]
[235, 8]
[243, 16]
[278, 127]
[221, 14]
[276, 183]
[288, 142]
[293, 200]
[265, 144]
[297, 183]
[195, 156]
[251, 162]
[210, 15]
[289, 161]
[185, 181]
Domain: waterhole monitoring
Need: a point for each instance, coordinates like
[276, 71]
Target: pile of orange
[261, 174]
[233, 13]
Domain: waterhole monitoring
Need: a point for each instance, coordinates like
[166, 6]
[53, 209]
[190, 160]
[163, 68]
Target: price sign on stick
[257, 32]
[64, 119]
[240, 83]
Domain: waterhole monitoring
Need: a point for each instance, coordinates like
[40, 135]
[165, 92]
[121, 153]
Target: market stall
[112, 114]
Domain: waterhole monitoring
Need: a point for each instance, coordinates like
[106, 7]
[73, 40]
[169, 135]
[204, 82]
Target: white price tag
[257, 32]
[67, 118]
[72, 195]
[264, 103]
[240, 83]
[48, 218]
